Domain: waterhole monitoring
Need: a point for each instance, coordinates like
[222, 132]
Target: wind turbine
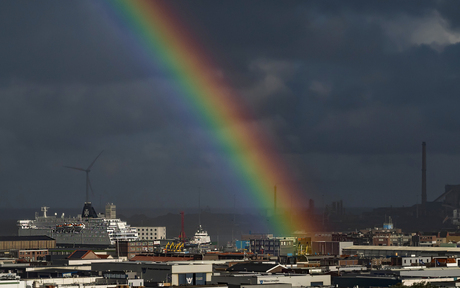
[87, 170]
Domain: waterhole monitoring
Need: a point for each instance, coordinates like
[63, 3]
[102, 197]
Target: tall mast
[423, 173]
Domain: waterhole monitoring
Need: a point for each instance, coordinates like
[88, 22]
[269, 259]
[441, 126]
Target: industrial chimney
[423, 173]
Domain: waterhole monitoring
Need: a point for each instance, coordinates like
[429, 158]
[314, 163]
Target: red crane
[182, 232]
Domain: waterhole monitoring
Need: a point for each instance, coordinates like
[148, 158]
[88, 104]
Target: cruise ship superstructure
[87, 229]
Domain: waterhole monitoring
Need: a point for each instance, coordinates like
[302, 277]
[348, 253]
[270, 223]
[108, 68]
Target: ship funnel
[88, 211]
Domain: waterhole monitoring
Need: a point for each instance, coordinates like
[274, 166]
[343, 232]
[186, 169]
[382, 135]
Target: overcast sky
[348, 90]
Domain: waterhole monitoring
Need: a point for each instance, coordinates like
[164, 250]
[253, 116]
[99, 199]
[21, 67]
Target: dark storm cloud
[72, 113]
[367, 78]
[449, 10]
[346, 91]
[50, 41]
[345, 51]
[298, 29]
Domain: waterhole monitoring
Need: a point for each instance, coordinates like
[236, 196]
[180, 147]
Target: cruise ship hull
[90, 236]
[83, 239]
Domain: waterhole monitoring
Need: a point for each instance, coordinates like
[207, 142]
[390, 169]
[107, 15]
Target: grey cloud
[343, 98]
[57, 42]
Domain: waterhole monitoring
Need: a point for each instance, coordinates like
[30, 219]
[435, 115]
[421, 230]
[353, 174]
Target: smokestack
[423, 173]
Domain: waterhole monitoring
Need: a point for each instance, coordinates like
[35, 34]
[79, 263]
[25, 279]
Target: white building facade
[151, 233]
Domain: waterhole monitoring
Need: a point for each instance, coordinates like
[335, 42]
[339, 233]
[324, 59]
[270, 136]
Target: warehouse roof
[253, 267]
[25, 238]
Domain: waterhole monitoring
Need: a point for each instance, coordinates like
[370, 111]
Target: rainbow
[248, 150]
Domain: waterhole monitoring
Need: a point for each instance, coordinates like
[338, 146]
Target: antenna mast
[423, 173]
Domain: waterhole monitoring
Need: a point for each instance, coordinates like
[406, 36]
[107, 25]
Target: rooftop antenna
[233, 222]
[87, 170]
[199, 208]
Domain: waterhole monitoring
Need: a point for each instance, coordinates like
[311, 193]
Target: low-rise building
[151, 233]
[167, 274]
[242, 245]
[329, 247]
[255, 267]
[381, 239]
[452, 237]
[296, 280]
[428, 240]
[68, 278]
[406, 251]
[265, 246]
[31, 255]
[130, 249]
[415, 260]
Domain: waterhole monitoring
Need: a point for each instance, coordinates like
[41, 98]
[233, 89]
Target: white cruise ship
[86, 230]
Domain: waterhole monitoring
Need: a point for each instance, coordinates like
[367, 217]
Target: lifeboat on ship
[78, 227]
[68, 227]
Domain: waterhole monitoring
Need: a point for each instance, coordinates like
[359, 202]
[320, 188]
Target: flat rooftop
[403, 248]
[25, 238]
